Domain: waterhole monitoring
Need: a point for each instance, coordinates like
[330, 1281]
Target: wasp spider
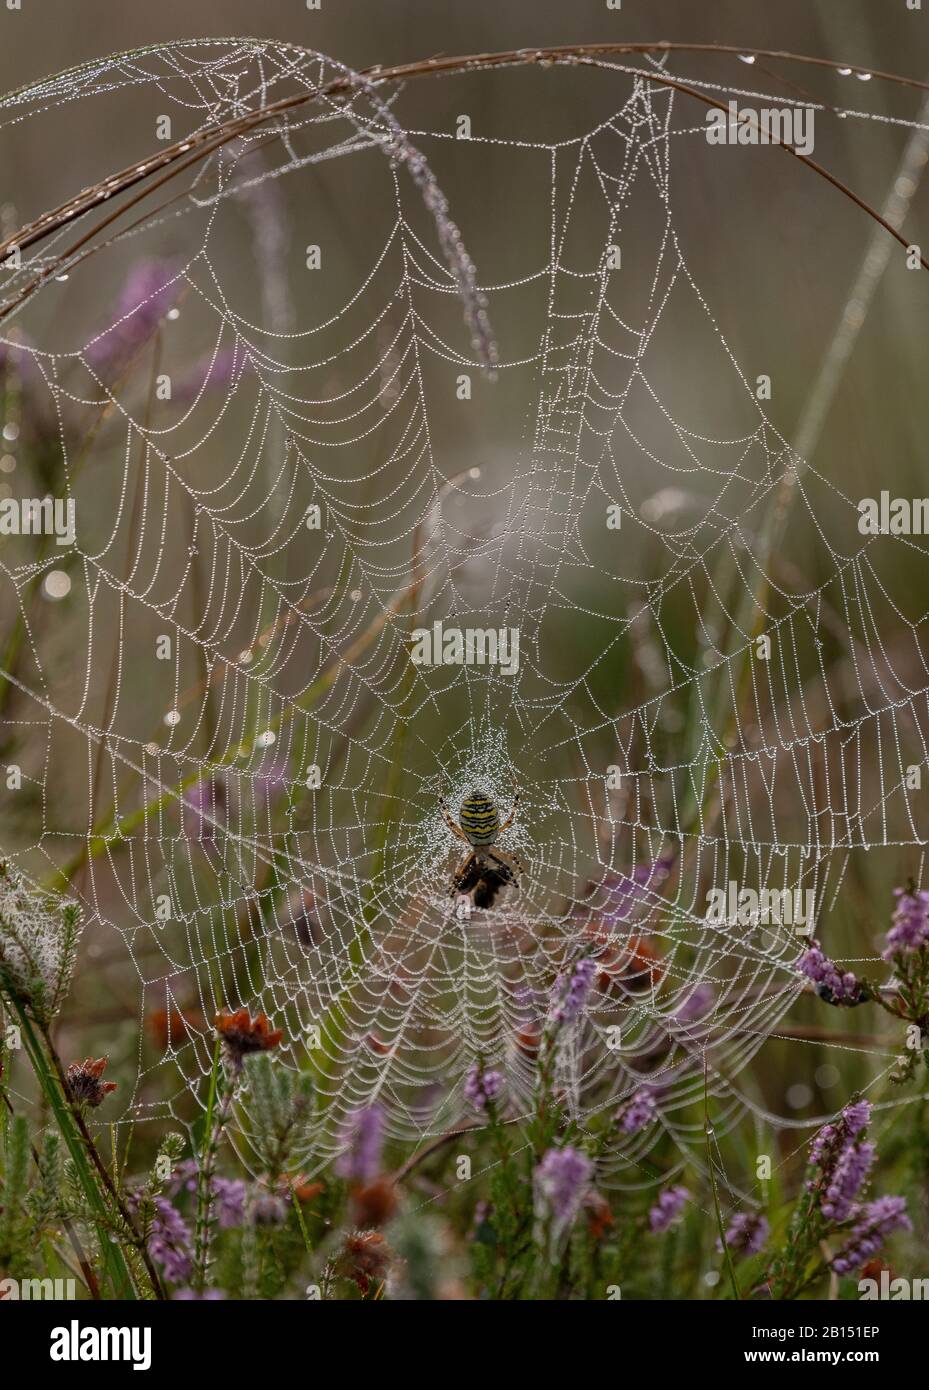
[484, 870]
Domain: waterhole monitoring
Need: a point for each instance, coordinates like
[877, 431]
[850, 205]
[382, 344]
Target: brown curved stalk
[174, 159]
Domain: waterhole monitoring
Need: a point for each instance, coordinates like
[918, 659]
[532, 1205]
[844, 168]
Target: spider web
[213, 649]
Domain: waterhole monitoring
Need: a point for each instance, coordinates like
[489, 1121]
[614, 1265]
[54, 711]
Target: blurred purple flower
[184, 1176]
[189, 1295]
[747, 1233]
[670, 1204]
[637, 1113]
[875, 1223]
[363, 1136]
[909, 931]
[627, 891]
[269, 1209]
[229, 1195]
[16, 355]
[570, 992]
[203, 808]
[697, 1004]
[170, 1241]
[561, 1182]
[482, 1086]
[223, 369]
[151, 289]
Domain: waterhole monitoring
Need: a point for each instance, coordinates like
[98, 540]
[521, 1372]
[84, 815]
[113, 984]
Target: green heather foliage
[527, 1211]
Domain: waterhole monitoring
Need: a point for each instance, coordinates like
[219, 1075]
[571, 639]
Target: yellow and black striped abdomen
[479, 819]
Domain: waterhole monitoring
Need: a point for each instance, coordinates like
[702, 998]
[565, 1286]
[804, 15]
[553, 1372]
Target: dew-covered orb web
[387, 492]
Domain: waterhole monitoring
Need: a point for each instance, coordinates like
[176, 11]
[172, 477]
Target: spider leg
[452, 825]
[512, 816]
[466, 875]
[502, 861]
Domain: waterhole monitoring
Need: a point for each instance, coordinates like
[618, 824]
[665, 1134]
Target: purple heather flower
[189, 1295]
[637, 1113]
[229, 1195]
[363, 1137]
[670, 1204]
[830, 1141]
[561, 1181]
[184, 1176]
[856, 1116]
[874, 1224]
[833, 985]
[747, 1233]
[570, 994]
[170, 1241]
[851, 1168]
[909, 931]
[841, 1160]
[482, 1086]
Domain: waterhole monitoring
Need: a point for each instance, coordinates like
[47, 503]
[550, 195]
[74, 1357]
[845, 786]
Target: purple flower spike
[848, 1175]
[669, 1206]
[841, 1160]
[857, 1116]
[833, 985]
[875, 1223]
[830, 1141]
